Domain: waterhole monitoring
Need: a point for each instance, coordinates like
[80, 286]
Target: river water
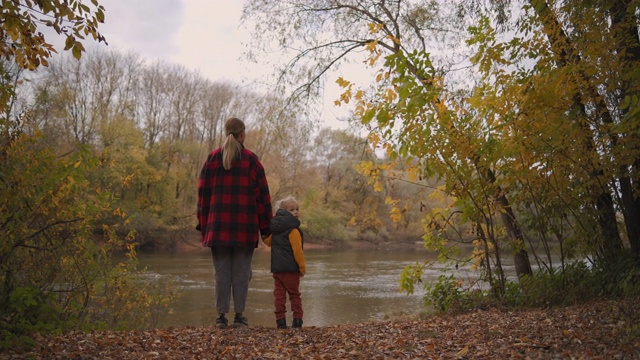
[341, 286]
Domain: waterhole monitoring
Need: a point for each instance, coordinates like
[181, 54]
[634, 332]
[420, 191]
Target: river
[340, 287]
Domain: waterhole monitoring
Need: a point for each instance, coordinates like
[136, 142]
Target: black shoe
[297, 323]
[282, 323]
[240, 321]
[221, 322]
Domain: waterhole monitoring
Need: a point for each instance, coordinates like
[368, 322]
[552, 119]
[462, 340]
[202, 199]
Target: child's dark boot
[297, 323]
[282, 323]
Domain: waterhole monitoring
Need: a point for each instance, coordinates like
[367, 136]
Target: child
[287, 261]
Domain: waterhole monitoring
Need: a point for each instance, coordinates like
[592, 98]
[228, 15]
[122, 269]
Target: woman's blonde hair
[231, 147]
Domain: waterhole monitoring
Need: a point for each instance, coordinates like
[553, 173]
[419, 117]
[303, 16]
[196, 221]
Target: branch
[412, 182]
[384, 14]
[348, 7]
[307, 85]
[44, 229]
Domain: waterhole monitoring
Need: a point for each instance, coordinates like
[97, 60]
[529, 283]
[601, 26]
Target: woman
[234, 207]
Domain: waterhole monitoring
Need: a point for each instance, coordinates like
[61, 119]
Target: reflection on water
[341, 286]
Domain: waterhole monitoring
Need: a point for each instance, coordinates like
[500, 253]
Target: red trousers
[287, 283]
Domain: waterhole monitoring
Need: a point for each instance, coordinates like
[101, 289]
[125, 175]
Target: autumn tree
[342, 206]
[215, 107]
[534, 144]
[56, 265]
[153, 125]
[568, 126]
[394, 31]
[600, 43]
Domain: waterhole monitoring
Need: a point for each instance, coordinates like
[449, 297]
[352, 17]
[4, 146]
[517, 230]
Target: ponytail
[231, 147]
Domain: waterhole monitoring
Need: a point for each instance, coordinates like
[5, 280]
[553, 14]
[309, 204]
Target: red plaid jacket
[234, 206]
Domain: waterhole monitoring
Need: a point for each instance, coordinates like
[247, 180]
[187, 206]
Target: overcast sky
[202, 35]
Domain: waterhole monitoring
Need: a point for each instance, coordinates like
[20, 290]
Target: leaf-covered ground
[598, 330]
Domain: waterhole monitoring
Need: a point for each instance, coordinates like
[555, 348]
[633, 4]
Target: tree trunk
[629, 44]
[520, 256]
[611, 242]
[565, 54]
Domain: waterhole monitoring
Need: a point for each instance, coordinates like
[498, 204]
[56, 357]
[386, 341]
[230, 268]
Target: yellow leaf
[377, 187]
[463, 352]
[413, 173]
[374, 28]
[374, 59]
[389, 95]
[394, 39]
[371, 45]
[395, 215]
[342, 82]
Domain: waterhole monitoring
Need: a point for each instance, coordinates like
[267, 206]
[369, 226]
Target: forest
[149, 128]
[487, 130]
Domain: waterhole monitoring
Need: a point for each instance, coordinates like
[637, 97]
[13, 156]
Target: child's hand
[267, 240]
[301, 274]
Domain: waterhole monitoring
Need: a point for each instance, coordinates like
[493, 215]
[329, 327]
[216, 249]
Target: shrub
[444, 294]
[577, 282]
[54, 274]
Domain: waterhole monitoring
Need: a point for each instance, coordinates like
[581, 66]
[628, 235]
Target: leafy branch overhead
[21, 37]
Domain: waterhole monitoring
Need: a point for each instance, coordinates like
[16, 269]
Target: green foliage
[124, 299]
[578, 283]
[57, 270]
[554, 288]
[55, 259]
[323, 224]
[140, 188]
[30, 310]
[444, 294]
[411, 276]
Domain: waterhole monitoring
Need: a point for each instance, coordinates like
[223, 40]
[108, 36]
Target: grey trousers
[232, 272]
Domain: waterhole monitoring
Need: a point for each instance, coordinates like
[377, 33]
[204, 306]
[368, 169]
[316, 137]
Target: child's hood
[283, 221]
